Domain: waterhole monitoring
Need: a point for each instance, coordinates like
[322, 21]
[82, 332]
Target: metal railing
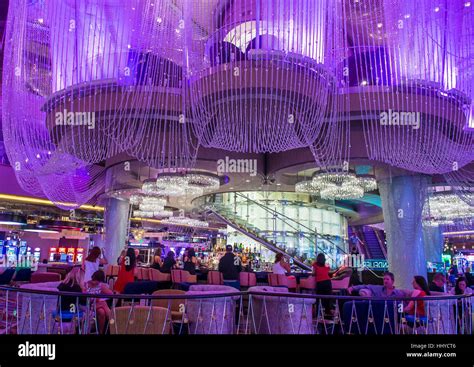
[219, 310]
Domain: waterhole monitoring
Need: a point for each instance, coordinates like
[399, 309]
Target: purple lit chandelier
[267, 78]
[412, 66]
[85, 81]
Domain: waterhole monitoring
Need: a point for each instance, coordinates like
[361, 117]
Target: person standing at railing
[127, 271]
[230, 266]
[322, 279]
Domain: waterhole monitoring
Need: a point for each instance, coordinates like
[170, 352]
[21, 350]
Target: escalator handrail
[291, 219]
[273, 247]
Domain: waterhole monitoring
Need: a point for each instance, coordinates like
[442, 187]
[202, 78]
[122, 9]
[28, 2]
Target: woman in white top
[92, 263]
[280, 266]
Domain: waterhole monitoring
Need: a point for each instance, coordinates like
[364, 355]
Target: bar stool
[281, 280]
[308, 284]
[215, 277]
[247, 279]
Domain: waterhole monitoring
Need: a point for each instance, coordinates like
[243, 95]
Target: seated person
[73, 283]
[437, 285]
[97, 285]
[469, 277]
[280, 266]
[461, 287]
[385, 290]
[417, 308]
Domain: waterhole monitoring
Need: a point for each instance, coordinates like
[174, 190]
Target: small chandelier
[185, 221]
[338, 185]
[173, 184]
[306, 186]
[152, 214]
[445, 207]
[138, 199]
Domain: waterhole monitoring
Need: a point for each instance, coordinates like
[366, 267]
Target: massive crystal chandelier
[412, 63]
[87, 80]
[267, 76]
[335, 185]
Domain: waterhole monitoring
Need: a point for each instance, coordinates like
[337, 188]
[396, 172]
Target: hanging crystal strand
[416, 90]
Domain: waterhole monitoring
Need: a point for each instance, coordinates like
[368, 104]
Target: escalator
[228, 215]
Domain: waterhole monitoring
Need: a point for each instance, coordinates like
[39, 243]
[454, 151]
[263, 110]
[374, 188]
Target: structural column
[403, 197]
[433, 240]
[116, 227]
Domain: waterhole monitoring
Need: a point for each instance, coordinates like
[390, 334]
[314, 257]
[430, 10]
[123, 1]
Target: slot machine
[2, 248]
[62, 254]
[23, 248]
[37, 254]
[71, 254]
[12, 252]
[52, 252]
[79, 255]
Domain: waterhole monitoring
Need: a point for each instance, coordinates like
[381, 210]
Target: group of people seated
[89, 279]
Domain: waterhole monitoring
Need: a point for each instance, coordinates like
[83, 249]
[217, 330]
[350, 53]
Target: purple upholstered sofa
[212, 315]
[273, 314]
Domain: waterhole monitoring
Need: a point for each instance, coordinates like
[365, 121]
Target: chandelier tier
[97, 78]
[337, 185]
[414, 75]
[178, 184]
[152, 214]
[447, 207]
[185, 221]
[267, 79]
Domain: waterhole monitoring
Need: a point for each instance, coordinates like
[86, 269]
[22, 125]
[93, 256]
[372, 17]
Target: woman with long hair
[73, 282]
[157, 261]
[190, 261]
[92, 262]
[461, 287]
[169, 263]
[462, 304]
[127, 271]
[420, 289]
